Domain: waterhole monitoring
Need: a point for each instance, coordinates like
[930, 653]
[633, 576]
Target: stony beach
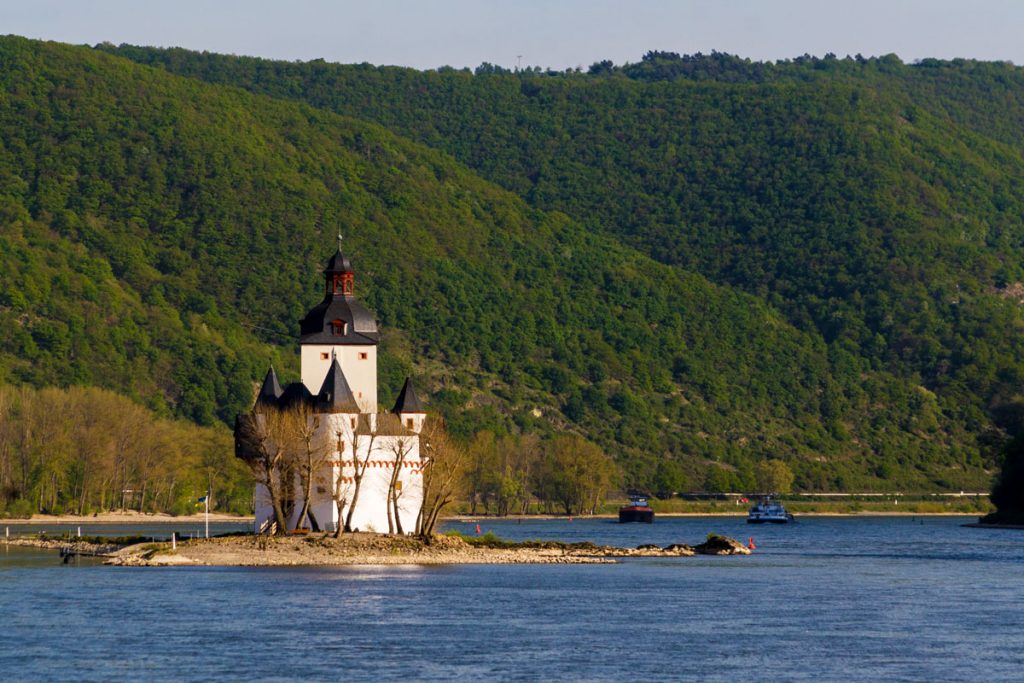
[374, 549]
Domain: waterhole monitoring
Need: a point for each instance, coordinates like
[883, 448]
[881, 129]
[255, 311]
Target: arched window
[339, 283]
[338, 328]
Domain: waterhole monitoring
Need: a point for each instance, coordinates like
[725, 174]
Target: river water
[899, 598]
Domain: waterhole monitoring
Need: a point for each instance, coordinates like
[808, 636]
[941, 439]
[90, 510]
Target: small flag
[201, 500]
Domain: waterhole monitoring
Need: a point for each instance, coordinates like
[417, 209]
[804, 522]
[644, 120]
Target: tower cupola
[339, 277]
[339, 318]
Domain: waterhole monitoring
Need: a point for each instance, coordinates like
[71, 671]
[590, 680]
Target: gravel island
[380, 549]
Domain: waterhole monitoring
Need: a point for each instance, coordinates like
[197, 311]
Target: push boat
[768, 511]
[637, 511]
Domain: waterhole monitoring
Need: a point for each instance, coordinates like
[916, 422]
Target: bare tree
[359, 465]
[444, 475]
[342, 489]
[401, 446]
[314, 449]
[262, 441]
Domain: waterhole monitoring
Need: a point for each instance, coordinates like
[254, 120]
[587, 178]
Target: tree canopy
[681, 261]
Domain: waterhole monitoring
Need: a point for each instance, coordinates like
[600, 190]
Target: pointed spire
[338, 263]
[335, 394]
[408, 401]
[271, 390]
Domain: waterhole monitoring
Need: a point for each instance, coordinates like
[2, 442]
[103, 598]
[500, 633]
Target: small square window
[324, 356]
[409, 422]
[363, 355]
[359, 394]
[398, 485]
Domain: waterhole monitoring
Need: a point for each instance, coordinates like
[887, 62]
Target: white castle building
[338, 394]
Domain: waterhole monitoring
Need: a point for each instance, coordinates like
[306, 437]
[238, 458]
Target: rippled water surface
[824, 599]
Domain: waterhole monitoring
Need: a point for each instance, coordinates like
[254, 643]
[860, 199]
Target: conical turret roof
[335, 395]
[271, 390]
[408, 401]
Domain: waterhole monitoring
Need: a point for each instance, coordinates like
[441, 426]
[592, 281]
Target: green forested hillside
[161, 237]
[874, 203]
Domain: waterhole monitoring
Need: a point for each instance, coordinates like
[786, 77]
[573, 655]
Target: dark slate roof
[335, 394]
[294, 394]
[408, 401]
[271, 390]
[338, 264]
[315, 328]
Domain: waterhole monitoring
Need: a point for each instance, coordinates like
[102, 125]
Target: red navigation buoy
[750, 543]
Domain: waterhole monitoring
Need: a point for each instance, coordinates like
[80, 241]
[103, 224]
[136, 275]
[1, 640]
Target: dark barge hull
[645, 515]
[773, 520]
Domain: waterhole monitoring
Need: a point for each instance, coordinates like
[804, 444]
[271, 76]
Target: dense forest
[695, 270]
[871, 201]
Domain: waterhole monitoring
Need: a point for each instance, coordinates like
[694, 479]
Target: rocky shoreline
[373, 549]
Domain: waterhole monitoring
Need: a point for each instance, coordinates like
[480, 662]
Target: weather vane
[339, 241]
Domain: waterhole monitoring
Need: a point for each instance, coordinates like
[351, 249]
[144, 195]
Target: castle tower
[341, 328]
[338, 341]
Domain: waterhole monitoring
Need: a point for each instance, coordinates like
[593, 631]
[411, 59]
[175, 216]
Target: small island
[370, 549]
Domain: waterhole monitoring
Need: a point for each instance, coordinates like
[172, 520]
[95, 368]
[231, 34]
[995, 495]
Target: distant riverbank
[129, 518]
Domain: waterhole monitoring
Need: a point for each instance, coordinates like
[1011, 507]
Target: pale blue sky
[555, 34]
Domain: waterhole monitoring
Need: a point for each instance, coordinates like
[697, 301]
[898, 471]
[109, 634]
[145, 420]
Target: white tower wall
[359, 363]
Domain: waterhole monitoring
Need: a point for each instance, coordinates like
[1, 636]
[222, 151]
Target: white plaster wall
[361, 374]
[371, 508]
